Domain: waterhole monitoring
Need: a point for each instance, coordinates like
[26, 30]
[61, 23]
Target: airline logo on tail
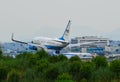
[66, 33]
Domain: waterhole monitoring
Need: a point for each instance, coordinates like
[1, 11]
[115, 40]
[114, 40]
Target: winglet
[17, 40]
[12, 37]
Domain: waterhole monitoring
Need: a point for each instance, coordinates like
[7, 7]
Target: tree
[62, 57]
[29, 75]
[57, 58]
[41, 65]
[32, 60]
[3, 73]
[83, 80]
[74, 58]
[100, 61]
[24, 56]
[42, 54]
[0, 53]
[74, 69]
[53, 59]
[52, 72]
[65, 77]
[13, 76]
[86, 70]
[102, 75]
[64, 66]
[115, 67]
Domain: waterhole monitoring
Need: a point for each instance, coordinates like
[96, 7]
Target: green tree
[42, 54]
[29, 75]
[100, 61]
[65, 77]
[32, 60]
[24, 60]
[74, 69]
[41, 65]
[57, 58]
[3, 73]
[53, 59]
[0, 53]
[102, 75]
[62, 57]
[75, 58]
[86, 70]
[52, 72]
[64, 66]
[83, 80]
[24, 56]
[115, 67]
[13, 76]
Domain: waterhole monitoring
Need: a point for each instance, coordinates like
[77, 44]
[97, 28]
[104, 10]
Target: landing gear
[57, 52]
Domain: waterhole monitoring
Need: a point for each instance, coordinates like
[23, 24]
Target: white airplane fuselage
[50, 43]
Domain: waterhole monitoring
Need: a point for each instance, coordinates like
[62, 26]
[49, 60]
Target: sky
[30, 18]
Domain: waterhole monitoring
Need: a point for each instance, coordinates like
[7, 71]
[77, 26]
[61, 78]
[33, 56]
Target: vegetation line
[42, 67]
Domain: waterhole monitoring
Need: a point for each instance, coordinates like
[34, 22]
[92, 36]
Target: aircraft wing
[17, 40]
[28, 43]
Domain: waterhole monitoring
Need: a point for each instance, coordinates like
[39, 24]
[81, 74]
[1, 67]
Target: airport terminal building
[100, 42]
[93, 44]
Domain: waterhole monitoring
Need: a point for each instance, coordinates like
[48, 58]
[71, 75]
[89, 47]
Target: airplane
[56, 44]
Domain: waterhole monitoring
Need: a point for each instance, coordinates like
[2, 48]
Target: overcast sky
[30, 18]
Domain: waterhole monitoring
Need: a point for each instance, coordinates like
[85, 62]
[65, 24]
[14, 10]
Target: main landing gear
[57, 52]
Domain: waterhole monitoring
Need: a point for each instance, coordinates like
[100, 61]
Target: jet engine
[31, 47]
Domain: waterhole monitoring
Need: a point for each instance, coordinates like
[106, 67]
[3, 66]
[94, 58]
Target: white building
[97, 41]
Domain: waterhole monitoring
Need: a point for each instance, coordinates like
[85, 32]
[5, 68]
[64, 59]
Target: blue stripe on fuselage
[53, 47]
[61, 38]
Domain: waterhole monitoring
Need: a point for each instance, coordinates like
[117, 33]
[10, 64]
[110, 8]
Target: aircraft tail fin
[66, 33]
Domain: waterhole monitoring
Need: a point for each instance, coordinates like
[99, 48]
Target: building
[114, 47]
[97, 41]
[93, 44]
